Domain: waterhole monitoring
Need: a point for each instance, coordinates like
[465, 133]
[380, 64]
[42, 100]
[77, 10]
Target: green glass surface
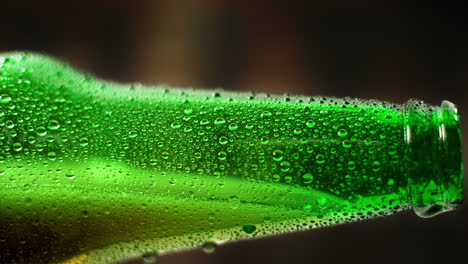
[93, 171]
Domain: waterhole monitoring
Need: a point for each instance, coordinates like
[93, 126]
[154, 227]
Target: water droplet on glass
[17, 146]
[346, 143]
[132, 134]
[266, 114]
[392, 150]
[222, 155]
[85, 213]
[223, 140]
[9, 124]
[368, 142]
[342, 133]
[53, 125]
[307, 178]
[4, 99]
[285, 166]
[307, 207]
[297, 131]
[218, 108]
[375, 166]
[310, 124]
[26, 187]
[249, 229]
[234, 202]
[320, 158]
[84, 142]
[41, 131]
[50, 138]
[70, 174]
[233, 126]
[220, 121]
[277, 155]
[209, 247]
[356, 199]
[52, 155]
[322, 202]
[176, 125]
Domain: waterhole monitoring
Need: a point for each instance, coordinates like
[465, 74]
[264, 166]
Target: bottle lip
[437, 152]
[451, 140]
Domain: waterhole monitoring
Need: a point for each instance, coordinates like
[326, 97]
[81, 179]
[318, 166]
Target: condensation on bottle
[95, 172]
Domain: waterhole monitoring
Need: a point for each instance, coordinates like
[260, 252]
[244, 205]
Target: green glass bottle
[94, 171]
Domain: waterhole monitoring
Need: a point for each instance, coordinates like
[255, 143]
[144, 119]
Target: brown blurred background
[329, 48]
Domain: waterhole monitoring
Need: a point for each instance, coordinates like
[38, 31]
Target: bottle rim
[434, 151]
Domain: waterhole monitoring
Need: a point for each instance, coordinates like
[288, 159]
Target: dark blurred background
[335, 48]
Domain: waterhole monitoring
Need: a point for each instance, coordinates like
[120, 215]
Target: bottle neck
[434, 155]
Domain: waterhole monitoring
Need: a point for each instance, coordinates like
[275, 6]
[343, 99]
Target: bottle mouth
[435, 151]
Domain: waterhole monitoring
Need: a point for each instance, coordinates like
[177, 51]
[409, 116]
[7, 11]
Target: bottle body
[101, 171]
